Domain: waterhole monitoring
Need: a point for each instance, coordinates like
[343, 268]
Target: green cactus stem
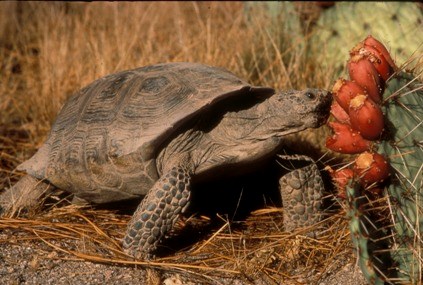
[404, 116]
[387, 230]
[363, 232]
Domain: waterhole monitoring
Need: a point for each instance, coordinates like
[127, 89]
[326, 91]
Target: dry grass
[49, 50]
[255, 250]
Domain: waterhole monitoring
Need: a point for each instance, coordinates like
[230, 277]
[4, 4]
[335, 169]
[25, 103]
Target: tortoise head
[294, 111]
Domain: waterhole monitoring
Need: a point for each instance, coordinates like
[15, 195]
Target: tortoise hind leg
[302, 193]
[157, 213]
[24, 195]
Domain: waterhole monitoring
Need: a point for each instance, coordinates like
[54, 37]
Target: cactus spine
[389, 245]
[404, 114]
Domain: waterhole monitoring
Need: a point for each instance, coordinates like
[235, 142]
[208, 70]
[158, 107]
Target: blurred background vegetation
[49, 50]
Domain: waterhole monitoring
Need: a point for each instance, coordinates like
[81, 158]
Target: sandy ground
[35, 262]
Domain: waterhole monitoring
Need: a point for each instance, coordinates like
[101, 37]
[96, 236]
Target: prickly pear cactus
[398, 24]
[388, 231]
[364, 233]
[404, 113]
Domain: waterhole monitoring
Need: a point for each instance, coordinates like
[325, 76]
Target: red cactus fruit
[375, 191]
[363, 72]
[341, 178]
[384, 69]
[366, 117]
[346, 140]
[371, 41]
[339, 114]
[371, 168]
[344, 90]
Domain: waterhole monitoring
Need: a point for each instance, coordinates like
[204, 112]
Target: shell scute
[104, 126]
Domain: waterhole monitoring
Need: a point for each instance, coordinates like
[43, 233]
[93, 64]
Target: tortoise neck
[259, 122]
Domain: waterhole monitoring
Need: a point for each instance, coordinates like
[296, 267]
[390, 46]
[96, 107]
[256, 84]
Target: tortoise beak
[323, 109]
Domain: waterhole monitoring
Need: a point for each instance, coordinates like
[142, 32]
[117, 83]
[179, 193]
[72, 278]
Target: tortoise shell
[115, 125]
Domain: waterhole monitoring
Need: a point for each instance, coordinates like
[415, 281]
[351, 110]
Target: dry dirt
[31, 262]
[63, 248]
[34, 263]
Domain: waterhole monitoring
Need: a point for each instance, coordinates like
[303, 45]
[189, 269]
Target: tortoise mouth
[323, 109]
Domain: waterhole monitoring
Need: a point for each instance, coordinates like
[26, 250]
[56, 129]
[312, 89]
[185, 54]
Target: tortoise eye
[310, 95]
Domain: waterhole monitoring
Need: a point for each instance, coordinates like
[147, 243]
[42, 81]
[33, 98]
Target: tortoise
[151, 130]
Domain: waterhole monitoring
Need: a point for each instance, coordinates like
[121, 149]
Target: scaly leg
[302, 192]
[157, 213]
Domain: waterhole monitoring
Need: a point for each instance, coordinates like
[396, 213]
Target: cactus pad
[397, 24]
[387, 231]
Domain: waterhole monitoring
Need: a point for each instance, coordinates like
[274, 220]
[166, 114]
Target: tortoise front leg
[302, 192]
[157, 212]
